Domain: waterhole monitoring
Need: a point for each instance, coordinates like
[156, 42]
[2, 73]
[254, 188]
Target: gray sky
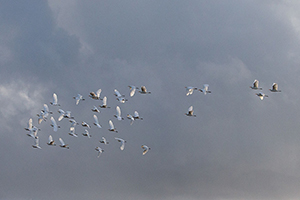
[238, 147]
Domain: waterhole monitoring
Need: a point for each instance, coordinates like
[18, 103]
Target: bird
[36, 145]
[84, 124]
[53, 124]
[205, 89]
[137, 116]
[96, 123]
[118, 114]
[72, 131]
[104, 103]
[274, 88]
[132, 90]
[120, 97]
[41, 117]
[129, 116]
[190, 90]
[73, 122]
[33, 133]
[54, 102]
[255, 85]
[46, 111]
[86, 133]
[64, 114]
[145, 149]
[95, 109]
[96, 95]
[99, 151]
[78, 98]
[112, 127]
[144, 90]
[104, 141]
[190, 112]
[62, 144]
[30, 127]
[122, 143]
[261, 95]
[51, 141]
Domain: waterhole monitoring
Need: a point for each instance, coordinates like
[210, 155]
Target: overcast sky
[237, 147]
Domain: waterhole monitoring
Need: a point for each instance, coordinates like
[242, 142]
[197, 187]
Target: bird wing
[46, 109]
[117, 93]
[255, 83]
[275, 86]
[190, 109]
[53, 123]
[104, 100]
[50, 139]
[136, 114]
[132, 92]
[30, 124]
[62, 142]
[54, 98]
[118, 111]
[96, 119]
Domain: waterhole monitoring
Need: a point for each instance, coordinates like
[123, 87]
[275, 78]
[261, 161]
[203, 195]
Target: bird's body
[275, 88]
[95, 109]
[255, 85]
[96, 95]
[261, 95]
[73, 122]
[112, 127]
[190, 112]
[104, 141]
[137, 116]
[190, 90]
[53, 124]
[118, 114]
[72, 131]
[132, 90]
[104, 103]
[51, 141]
[120, 97]
[144, 90]
[62, 144]
[64, 114]
[86, 133]
[122, 143]
[99, 150]
[205, 89]
[96, 123]
[33, 133]
[78, 98]
[36, 145]
[84, 124]
[54, 101]
[145, 149]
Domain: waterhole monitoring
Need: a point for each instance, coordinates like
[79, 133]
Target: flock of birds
[45, 113]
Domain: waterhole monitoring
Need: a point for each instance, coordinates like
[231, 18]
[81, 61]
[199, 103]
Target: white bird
[118, 115]
[54, 102]
[73, 122]
[96, 95]
[104, 103]
[255, 85]
[86, 133]
[261, 95]
[132, 90]
[96, 123]
[62, 144]
[72, 131]
[99, 151]
[51, 141]
[46, 111]
[145, 149]
[122, 143]
[84, 124]
[129, 116]
[190, 112]
[36, 145]
[53, 124]
[29, 125]
[112, 127]
[275, 88]
[137, 116]
[64, 114]
[41, 117]
[144, 90]
[190, 90]
[104, 141]
[95, 109]
[78, 98]
[120, 97]
[205, 89]
[33, 133]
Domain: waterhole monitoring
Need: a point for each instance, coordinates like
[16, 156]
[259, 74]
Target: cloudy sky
[238, 147]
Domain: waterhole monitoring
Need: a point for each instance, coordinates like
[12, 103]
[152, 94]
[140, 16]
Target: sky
[237, 147]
